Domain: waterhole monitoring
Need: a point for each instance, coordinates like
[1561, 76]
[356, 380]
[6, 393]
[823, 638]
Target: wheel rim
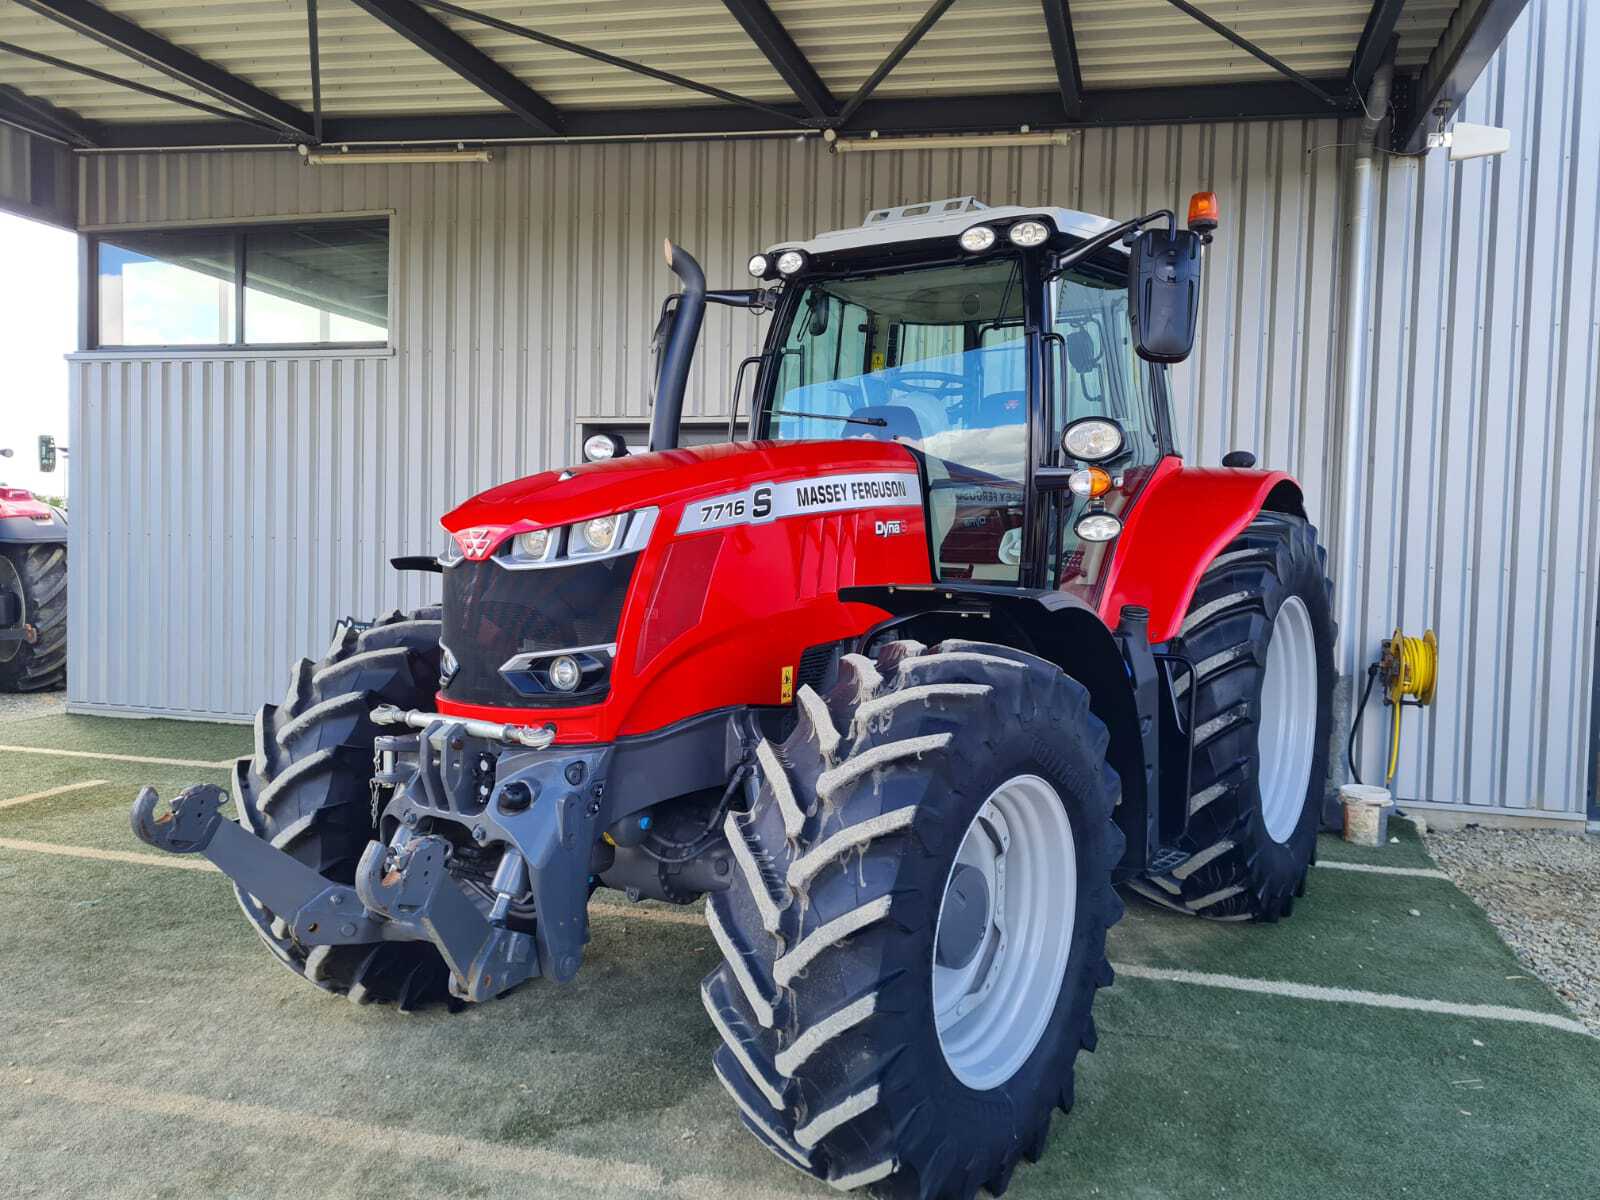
[996, 988]
[10, 581]
[1287, 730]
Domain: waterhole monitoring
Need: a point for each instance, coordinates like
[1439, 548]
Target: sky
[38, 327]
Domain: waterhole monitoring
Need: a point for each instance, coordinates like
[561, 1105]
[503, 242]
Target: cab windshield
[933, 357]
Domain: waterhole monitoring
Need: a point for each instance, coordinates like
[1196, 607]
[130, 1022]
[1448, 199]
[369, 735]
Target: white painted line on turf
[1374, 869]
[49, 792]
[127, 758]
[387, 1141]
[183, 862]
[1334, 995]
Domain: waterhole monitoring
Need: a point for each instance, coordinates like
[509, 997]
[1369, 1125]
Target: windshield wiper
[879, 422]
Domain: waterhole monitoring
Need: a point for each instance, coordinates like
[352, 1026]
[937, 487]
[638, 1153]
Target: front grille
[491, 614]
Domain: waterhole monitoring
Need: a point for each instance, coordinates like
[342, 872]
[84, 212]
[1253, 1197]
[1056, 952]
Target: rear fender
[1057, 627]
[1183, 519]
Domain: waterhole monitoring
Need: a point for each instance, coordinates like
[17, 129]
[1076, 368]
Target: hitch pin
[510, 881]
[516, 735]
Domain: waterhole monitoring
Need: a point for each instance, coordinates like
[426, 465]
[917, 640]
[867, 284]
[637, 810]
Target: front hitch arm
[411, 886]
[402, 893]
[318, 913]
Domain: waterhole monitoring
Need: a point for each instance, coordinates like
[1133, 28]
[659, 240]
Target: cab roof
[933, 219]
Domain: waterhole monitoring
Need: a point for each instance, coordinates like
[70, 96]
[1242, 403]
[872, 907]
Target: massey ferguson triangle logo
[476, 542]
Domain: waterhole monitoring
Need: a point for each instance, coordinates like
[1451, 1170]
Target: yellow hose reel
[1409, 669]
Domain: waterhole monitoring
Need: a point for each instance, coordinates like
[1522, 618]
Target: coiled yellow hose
[1410, 670]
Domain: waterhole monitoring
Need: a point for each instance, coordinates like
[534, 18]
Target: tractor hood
[664, 479]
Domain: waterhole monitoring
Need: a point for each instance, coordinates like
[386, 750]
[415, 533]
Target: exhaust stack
[672, 372]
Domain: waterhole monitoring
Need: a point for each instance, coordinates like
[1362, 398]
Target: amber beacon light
[1204, 215]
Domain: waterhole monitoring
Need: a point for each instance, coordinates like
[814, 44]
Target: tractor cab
[952, 329]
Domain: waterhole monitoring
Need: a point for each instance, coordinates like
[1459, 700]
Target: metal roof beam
[892, 60]
[612, 60]
[127, 38]
[1064, 49]
[1474, 35]
[768, 33]
[145, 89]
[441, 42]
[40, 117]
[314, 53]
[1249, 47]
[1381, 20]
[938, 114]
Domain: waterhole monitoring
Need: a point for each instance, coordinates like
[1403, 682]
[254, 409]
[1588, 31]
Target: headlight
[599, 535]
[565, 673]
[791, 261]
[758, 265]
[977, 239]
[601, 446]
[1098, 527]
[1028, 234]
[1092, 439]
[535, 545]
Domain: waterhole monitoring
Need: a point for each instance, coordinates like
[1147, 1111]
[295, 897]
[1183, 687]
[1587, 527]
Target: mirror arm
[755, 299]
[1101, 241]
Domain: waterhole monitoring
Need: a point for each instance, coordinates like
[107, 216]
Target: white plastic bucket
[1366, 813]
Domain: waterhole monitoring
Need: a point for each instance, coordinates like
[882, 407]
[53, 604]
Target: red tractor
[902, 686]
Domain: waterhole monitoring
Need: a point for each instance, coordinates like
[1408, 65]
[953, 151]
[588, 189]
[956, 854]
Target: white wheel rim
[991, 1012]
[1287, 731]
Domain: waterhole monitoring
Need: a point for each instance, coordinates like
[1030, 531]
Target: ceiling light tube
[973, 141]
[392, 158]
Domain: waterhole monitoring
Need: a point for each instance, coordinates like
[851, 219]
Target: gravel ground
[1541, 889]
[22, 706]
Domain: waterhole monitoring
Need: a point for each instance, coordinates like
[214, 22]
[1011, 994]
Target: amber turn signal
[1204, 215]
[1090, 481]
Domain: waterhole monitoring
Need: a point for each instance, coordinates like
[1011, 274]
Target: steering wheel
[942, 385]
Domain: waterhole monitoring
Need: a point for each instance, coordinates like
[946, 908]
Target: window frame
[94, 235]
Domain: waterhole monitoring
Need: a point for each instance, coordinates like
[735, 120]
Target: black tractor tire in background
[1236, 869]
[824, 998]
[40, 568]
[307, 790]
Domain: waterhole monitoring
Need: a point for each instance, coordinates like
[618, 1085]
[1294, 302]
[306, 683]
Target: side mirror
[1164, 293]
[47, 453]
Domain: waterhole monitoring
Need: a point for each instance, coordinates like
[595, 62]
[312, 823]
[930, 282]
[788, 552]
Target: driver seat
[899, 422]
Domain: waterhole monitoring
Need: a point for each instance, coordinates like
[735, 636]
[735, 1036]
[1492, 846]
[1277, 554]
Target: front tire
[845, 1046]
[37, 572]
[307, 791]
[1260, 633]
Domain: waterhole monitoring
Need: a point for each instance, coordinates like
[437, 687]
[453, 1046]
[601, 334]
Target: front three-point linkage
[402, 893]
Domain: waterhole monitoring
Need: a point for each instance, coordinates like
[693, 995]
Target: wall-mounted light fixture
[966, 141]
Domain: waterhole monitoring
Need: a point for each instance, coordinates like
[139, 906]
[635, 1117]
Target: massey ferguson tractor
[901, 686]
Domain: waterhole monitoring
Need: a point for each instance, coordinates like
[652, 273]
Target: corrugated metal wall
[229, 509]
[35, 177]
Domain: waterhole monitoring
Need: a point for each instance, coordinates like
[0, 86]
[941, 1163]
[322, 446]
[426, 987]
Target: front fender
[1182, 520]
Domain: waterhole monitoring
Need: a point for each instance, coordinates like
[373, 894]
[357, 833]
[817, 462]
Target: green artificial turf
[150, 738]
[118, 976]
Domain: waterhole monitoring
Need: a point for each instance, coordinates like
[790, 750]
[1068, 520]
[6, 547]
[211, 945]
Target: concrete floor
[1383, 1041]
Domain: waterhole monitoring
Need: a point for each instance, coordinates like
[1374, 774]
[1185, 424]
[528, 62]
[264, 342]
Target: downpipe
[1358, 309]
[672, 373]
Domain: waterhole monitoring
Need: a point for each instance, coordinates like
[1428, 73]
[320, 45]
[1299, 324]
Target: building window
[292, 283]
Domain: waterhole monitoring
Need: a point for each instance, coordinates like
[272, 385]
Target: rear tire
[39, 572]
[1260, 633]
[307, 791]
[826, 997]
